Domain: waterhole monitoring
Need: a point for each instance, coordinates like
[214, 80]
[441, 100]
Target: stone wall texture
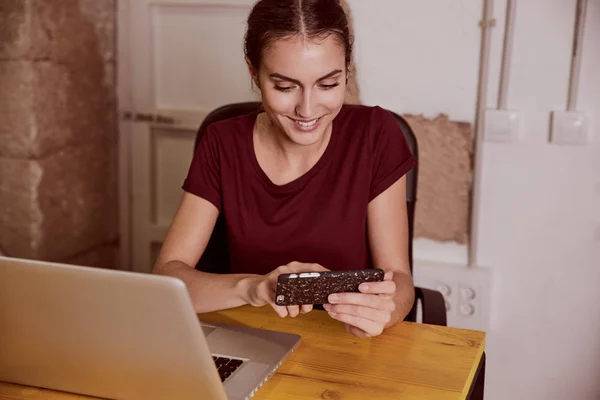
[445, 178]
[58, 136]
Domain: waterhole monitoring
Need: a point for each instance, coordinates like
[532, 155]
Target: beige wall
[58, 142]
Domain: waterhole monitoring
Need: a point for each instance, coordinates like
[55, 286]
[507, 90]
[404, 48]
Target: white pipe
[484, 61]
[509, 29]
[576, 56]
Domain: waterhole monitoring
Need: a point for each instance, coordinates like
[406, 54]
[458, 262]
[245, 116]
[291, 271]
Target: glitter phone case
[315, 287]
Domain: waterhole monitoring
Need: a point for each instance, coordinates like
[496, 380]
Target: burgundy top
[320, 217]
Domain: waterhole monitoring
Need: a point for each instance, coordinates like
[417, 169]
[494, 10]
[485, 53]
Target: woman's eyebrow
[296, 81]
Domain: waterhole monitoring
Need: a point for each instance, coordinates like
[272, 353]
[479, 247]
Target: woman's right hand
[262, 288]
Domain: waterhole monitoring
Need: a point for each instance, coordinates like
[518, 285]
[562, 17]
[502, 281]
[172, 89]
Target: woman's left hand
[367, 313]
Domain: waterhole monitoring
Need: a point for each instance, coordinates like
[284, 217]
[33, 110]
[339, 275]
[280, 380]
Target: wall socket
[467, 291]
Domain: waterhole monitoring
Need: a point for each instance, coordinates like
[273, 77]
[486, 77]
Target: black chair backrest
[215, 258]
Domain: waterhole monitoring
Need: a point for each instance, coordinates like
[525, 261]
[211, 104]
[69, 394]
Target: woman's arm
[184, 244]
[380, 305]
[387, 226]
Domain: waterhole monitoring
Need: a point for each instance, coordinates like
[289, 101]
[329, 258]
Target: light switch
[501, 126]
[570, 128]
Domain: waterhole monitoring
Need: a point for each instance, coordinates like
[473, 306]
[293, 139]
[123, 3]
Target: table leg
[476, 391]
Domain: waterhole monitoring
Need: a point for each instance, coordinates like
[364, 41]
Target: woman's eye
[284, 88]
[327, 87]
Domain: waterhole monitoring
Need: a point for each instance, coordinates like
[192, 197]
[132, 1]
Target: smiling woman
[298, 61]
[307, 184]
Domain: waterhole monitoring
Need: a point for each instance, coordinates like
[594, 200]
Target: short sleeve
[391, 156]
[204, 174]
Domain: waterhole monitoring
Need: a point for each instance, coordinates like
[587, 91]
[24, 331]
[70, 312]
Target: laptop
[124, 335]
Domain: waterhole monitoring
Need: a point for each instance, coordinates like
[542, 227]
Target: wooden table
[409, 361]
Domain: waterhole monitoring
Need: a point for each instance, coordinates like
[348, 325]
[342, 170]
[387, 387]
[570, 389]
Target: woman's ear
[252, 71]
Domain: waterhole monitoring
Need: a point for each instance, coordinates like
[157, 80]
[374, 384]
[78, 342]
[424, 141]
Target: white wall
[540, 210]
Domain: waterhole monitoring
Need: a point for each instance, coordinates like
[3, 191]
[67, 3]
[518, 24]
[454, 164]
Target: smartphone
[315, 287]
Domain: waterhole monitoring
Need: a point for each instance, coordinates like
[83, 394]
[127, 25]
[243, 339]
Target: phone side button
[310, 275]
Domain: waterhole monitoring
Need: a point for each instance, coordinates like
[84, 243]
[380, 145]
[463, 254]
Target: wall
[58, 137]
[540, 214]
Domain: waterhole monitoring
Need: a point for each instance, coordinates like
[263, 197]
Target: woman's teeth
[307, 124]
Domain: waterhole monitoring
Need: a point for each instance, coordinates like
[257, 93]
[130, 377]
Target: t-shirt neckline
[301, 180]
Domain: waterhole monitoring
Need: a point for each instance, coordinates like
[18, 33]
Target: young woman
[309, 184]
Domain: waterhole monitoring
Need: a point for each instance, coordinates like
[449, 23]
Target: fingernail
[327, 307]
[333, 298]
[332, 314]
[364, 288]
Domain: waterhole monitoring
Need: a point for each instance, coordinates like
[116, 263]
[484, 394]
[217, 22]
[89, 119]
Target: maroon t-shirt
[321, 217]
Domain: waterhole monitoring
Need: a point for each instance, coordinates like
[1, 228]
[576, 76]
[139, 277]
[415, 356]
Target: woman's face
[303, 86]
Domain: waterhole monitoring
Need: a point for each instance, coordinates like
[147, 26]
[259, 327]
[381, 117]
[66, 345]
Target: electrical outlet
[466, 291]
[570, 128]
[501, 126]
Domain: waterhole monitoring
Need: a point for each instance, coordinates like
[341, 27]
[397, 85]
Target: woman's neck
[281, 159]
[271, 137]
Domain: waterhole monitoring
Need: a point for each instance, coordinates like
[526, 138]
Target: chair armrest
[433, 306]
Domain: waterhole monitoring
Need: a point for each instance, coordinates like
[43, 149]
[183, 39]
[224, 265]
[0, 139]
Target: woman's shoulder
[368, 122]
[358, 114]
[230, 128]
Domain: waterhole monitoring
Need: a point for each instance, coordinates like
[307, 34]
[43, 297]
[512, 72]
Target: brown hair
[272, 20]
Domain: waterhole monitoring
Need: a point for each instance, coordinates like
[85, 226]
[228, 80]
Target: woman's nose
[304, 109]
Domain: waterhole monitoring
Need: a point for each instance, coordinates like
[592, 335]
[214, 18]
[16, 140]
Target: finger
[301, 267]
[293, 311]
[280, 310]
[317, 267]
[306, 308]
[355, 331]
[382, 317]
[388, 276]
[371, 328]
[366, 300]
[385, 287]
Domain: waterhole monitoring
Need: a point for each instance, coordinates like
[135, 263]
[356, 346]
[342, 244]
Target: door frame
[132, 97]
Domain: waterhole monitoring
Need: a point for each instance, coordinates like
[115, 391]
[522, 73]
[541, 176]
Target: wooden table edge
[474, 373]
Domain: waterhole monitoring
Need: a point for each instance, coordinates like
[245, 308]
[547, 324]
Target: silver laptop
[124, 335]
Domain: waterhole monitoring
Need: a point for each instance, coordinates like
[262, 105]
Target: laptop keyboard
[226, 366]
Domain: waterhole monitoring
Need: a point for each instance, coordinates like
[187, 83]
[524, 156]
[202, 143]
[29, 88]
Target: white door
[178, 60]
